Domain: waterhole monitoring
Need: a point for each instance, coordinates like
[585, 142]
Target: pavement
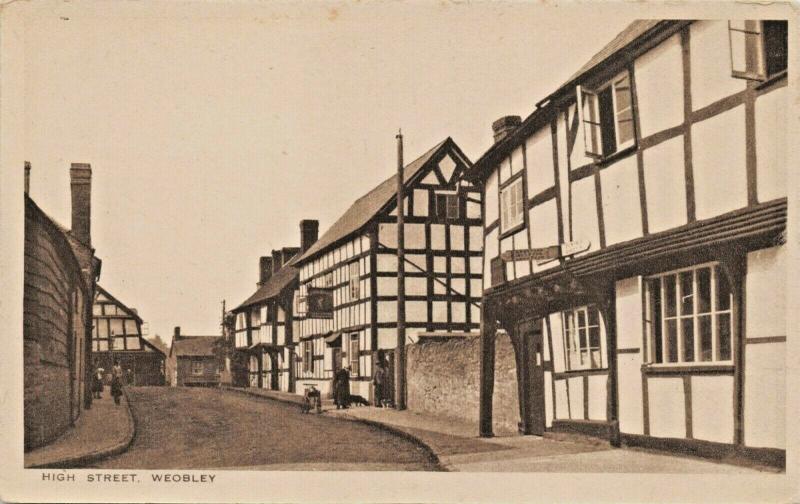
[459, 448]
[102, 431]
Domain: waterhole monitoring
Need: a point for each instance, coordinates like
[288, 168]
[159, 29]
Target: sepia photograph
[301, 246]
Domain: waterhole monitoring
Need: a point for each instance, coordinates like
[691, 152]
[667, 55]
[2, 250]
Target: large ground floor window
[688, 316]
[583, 338]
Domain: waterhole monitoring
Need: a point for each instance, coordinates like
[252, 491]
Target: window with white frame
[352, 355]
[355, 280]
[607, 116]
[197, 367]
[308, 356]
[688, 316]
[327, 279]
[759, 49]
[447, 206]
[511, 205]
[583, 339]
[301, 305]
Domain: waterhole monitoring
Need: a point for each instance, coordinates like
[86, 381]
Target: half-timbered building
[117, 335]
[263, 322]
[345, 309]
[195, 361]
[651, 187]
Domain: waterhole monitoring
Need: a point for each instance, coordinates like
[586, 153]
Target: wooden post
[400, 352]
[488, 328]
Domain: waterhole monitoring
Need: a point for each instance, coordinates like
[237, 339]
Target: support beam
[400, 352]
[488, 329]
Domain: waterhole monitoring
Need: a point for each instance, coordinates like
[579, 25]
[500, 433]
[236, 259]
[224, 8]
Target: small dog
[357, 400]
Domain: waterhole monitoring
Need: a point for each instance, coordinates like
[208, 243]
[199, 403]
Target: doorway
[532, 374]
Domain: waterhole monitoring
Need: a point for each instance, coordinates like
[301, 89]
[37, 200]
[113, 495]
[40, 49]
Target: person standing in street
[97, 383]
[379, 380]
[341, 388]
[116, 382]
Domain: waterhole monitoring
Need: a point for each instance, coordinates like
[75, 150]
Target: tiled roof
[364, 208]
[195, 346]
[272, 287]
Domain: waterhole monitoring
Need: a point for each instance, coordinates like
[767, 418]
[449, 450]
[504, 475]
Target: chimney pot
[505, 125]
[81, 185]
[177, 333]
[264, 269]
[309, 233]
[27, 177]
[277, 260]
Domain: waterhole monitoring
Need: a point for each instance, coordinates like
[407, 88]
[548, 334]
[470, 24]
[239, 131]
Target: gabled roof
[195, 346]
[367, 206]
[119, 303]
[273, 287]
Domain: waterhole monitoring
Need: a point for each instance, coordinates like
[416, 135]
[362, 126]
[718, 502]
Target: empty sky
[213, 129]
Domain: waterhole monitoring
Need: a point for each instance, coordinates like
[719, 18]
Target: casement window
[688, 316]
[582, 338]
[759, 49]
[197, 367]
[327, 279]
[352, 354]
[447, 206]
[511, 205]
[607, 117]
[301, 306]
[308, 356]
[355, 280]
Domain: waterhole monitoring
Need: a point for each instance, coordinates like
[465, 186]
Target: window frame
[713, 313]
[587, 348]
[596, 120]
[354, 273]
[308, 356]
[197, 367]
[508, 187]
[760, 50]
[445, 202]
[353, 355]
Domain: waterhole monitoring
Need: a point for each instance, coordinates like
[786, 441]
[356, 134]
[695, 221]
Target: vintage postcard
[398, 252]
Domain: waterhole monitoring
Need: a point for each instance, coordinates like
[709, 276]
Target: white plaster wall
[387, 262]
[578, 157]
[517, 163]
[548, 399]
[415, 286]
[629, 335]
[765, 286]
[387, 311]
[711, 64]
[507, 244]
[544, 229]
[667, 412]
[491, 194]
[558, 341]
[539, 153]
[414, 235]
[456, 238]
[598, 395]
[562, 411]
[576, 397]
[417, 311]
[712, 408]
[629, 313]
[622, 213]
[505, 169]
[387, 337]
[563, 173]
[584, 213]
[420, 202]
[659, 87]
[765, 395]
[771, 126]
[665, 186]
[475, 238]
[437, 237]
[718, 159]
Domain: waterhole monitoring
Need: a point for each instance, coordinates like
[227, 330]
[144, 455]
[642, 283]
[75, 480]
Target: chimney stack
[27, 177]
[177, 334]
[309, 233]
[264, 269]
[81, 184]
[277, 260]
[505, 125]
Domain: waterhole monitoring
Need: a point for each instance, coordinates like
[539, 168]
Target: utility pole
[400, 352]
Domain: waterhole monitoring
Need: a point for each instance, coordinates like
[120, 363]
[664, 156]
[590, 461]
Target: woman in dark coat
[116, 382]
[379, 380]
[341, 388]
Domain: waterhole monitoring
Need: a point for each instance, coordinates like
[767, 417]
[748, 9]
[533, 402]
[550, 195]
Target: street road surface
[201, 428]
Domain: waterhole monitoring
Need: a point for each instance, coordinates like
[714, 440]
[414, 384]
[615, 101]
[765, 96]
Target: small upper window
[759, 49]
[447, 206]
[353, 354]
[511, 205]
[197, 367]
[607, 116]
[355, 280]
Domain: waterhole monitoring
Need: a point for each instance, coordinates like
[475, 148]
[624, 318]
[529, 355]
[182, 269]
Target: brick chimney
[81, 183]
[27, 177]
[505, 125]
[177, 334]
[264, 269]
[277, 260]
[309, 233]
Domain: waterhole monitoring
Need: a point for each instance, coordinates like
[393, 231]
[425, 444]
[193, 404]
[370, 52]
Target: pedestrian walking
[116, 382]
[341, 388]
[379, 381]
[97, 383]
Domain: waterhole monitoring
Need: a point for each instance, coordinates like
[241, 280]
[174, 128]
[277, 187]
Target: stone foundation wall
[443, 379]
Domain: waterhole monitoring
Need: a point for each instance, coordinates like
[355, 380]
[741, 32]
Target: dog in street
[357, 400]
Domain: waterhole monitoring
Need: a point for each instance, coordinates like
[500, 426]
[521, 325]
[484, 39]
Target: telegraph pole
[400, 351]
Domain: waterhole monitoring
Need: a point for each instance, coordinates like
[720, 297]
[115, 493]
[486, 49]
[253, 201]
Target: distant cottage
[195, 361]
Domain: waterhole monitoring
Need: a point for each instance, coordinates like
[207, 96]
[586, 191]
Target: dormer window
[607, 116]
[759, 49]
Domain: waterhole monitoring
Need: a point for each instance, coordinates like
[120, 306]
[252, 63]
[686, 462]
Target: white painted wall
[667, 411]
[598, 397]
[539, 152]
[665, 186]
[576, 397]
[491, 207]
[629, 335]
[710, 64]
[562, 411]
[659, 87]
[622, 213]
[584, 213]
[771, 144]
[544, 229]
[718, 160]
[766, 293]
[712, 408]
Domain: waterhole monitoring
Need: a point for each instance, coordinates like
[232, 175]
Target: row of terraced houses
[620, 251]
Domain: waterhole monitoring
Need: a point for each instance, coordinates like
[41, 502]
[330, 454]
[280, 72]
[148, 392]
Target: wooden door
[389, 375]
[337, 359]
[533, 356]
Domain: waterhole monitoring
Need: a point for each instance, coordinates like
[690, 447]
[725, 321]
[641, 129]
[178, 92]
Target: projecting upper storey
[681, 126]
